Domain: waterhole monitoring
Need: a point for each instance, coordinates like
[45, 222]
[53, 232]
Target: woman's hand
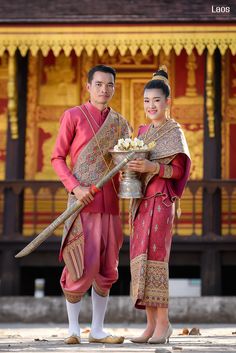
[142, 166]
[83, 194]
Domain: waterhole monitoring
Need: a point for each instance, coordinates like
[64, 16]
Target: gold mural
[60, 88]
[188, 109]
[43, 111]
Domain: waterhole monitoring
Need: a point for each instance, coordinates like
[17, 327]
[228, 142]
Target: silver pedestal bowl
[130, 185]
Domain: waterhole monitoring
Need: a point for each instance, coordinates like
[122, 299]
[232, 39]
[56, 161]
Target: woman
[164, 177]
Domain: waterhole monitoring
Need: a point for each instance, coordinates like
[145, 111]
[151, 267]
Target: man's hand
[142, 166]
[83, 194]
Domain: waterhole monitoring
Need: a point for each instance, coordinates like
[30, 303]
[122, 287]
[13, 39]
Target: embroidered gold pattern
[150, 282]
[170, 142]
[90, 166]
[157, 170]
[168, 171]
[73, 252]
[73, 297]
[138, 274]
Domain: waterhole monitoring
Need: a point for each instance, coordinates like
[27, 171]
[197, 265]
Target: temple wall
[58, 83]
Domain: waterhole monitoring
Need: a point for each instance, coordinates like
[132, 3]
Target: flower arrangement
[128, 145]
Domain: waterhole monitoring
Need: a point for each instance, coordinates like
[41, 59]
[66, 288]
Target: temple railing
[27, 207]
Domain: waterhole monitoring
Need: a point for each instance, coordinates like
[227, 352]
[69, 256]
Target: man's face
[101, 88]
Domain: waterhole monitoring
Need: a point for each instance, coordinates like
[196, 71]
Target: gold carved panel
[194, 136]
[128, 61]
[137, 117]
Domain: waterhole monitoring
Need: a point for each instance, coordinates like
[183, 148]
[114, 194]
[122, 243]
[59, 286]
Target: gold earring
[167, 113]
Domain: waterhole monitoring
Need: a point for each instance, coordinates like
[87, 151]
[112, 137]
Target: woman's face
[155, 104]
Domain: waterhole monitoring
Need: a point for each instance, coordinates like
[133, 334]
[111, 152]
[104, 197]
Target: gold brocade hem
[150, 282]
[99, 291]
[73, 297]
[142, 304]
[138, 276]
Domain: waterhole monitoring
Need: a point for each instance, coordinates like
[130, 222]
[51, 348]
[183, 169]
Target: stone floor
[49, 338]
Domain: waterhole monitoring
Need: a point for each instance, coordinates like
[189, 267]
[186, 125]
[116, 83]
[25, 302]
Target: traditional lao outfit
[92, 239]
[153, 215]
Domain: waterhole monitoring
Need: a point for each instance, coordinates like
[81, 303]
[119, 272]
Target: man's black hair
[101, 68]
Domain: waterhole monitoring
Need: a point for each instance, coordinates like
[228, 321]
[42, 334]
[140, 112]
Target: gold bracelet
[156, 171]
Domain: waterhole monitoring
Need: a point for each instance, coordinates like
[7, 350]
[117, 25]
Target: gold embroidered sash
[170, 141]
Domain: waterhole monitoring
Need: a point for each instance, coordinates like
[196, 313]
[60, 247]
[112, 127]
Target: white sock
[99, 309]
[73, 310]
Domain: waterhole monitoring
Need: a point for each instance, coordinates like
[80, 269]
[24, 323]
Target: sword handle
[94, 189]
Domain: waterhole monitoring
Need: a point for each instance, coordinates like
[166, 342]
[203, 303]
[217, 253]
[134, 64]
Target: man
[92, 239]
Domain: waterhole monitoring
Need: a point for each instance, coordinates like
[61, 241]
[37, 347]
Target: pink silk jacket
[74, 134]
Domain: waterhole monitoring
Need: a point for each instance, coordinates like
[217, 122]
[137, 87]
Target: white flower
[120, 141]
[129, 144]
[126, 145]
[140, 143]
[133, 143]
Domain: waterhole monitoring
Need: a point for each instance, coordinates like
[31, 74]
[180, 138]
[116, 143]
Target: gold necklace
[154, 133]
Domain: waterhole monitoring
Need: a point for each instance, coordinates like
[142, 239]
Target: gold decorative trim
[149, 282]
[210, 95]
[168, 171]
[12, 99]
[72, 297]
[100, 38]
[99, 290]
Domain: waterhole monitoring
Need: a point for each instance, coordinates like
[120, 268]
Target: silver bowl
[130, 185]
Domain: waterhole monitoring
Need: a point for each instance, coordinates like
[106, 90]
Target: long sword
[77, 205]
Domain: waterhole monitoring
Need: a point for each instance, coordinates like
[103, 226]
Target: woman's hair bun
[163, 68]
